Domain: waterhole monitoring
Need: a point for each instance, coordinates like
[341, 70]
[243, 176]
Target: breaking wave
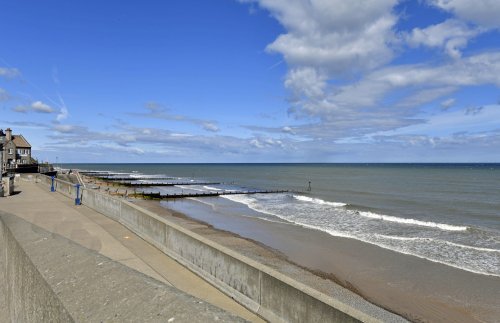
[429, 224]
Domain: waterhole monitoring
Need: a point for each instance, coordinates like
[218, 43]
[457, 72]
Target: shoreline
[262, 289]
[417, 289]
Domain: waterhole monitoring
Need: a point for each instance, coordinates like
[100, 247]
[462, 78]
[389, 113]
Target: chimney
[8, 134]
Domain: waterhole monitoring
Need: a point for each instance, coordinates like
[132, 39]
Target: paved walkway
[58, 214]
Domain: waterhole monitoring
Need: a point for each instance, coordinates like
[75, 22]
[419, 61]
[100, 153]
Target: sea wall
[263, 290]
[26, 295]
[45, 277]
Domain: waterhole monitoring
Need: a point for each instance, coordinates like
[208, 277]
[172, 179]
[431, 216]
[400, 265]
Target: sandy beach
[417, 289]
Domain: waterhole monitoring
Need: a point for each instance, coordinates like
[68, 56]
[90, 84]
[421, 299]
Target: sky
[252, 80]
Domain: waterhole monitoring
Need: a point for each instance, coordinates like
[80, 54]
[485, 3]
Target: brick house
[16, 149]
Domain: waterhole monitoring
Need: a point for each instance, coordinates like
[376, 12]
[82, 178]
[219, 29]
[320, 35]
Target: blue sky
[253, 80]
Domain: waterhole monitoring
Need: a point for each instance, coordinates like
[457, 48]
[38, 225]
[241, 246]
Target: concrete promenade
[57, 214]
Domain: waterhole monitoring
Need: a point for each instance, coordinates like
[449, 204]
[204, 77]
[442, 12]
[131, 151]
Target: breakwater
[160, 196]
[266, 292]
[141, 182]
[146, 184]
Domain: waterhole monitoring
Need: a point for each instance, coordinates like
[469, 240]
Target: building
[16, 150]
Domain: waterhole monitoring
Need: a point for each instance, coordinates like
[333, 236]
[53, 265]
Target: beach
[419, 290]
[437, 267]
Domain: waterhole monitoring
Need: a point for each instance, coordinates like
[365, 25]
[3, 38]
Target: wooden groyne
[112, 178]
[96, 173]
[160, 196]
[142, 184]
[133, 182]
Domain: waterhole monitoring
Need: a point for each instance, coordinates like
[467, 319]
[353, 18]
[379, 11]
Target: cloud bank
[341, 70]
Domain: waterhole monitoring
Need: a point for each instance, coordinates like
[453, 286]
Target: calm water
[445, 213]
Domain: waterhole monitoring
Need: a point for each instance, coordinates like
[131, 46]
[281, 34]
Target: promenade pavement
[58, 214]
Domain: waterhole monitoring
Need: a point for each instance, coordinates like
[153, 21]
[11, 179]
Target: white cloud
[158, 111]
[288, 129]
[474, 110]
[328, 39]
[262, 143]
[64, 128]
[209, 126]
[376, 103]
[124, 149]
[471, 120]
[333, 34]
[4, 95]
[471, 71]
[448, 103]
[39, 106]
[338, 54]
[423, 96]
[306, 81]
[21, 109]
[9, 72]
[482, 12]
[451, 35]
[63, 114]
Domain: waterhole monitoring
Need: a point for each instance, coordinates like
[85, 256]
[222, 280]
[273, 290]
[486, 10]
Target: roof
[20, 142]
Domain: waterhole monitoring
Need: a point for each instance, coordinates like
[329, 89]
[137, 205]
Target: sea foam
[429, 224]
[317, 201]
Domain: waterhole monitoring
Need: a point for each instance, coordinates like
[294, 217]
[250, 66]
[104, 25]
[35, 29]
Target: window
[11, 151]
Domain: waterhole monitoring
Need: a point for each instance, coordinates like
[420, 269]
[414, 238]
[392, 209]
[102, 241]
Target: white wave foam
[437, 241]
[429, 224]
[367, 239]
[471, 247]
[251, 204]
[190, 187]
[210, 188]
[317, 201]
[413, 248]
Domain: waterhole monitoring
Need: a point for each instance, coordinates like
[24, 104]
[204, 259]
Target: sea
[445, 213]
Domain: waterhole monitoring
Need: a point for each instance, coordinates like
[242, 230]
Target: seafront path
[55, 213]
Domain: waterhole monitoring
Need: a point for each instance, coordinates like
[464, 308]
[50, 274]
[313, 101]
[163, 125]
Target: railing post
[52, 187]
[77, 199]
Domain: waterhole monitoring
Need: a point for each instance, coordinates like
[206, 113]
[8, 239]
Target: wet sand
[417, 289]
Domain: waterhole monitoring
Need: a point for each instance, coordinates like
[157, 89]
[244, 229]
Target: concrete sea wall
[45, 277]
[263, 290]
[27, 296]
